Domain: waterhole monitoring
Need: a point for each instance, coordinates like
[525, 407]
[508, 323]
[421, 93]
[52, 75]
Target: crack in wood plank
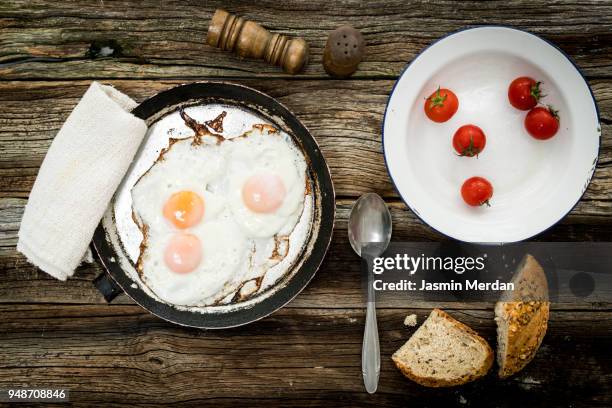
[54, 41]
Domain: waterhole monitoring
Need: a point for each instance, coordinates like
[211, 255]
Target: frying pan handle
[107, 286]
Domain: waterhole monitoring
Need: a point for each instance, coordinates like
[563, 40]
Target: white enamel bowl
[536, 183]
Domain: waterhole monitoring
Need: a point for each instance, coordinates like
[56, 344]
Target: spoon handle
[370, 351]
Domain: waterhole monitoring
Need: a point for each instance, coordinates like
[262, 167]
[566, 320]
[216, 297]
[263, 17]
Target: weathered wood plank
[152, 39]
[344, 116]
[300, 356]
[339, 273]
[309, 352]
[347, 126]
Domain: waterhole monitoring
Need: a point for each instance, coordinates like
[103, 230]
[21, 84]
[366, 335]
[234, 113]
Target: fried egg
[266, 180]
[173, 193]
[196, 267]
[215, 215]
[191, 246]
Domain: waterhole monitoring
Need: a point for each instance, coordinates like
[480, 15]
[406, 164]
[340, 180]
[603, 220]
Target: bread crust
[527, 324]
[436, 382]
[525, 313]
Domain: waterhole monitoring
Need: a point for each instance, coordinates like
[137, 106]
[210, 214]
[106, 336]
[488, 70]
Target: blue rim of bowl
[590, 176]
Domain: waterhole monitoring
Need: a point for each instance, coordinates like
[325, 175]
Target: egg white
[261, 152]
[237, 244]
[224, 261]
[183, 167]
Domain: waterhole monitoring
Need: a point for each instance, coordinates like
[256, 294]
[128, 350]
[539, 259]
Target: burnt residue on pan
[271, 130]
[217, 123]
[143, 246]
[239, 297]
[276, 252]
[162, 152]
[201, 129]
[308, 186]
[264, 126]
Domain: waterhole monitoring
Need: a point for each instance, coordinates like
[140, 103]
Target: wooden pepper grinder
[248, 39]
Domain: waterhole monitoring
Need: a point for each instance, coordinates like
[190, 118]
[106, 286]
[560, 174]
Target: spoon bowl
[369, 225]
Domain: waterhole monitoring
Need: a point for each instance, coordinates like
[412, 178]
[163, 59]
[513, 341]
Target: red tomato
[441, 105]
[469, 140]
[477, 191]
[542, 123]
[524, 93]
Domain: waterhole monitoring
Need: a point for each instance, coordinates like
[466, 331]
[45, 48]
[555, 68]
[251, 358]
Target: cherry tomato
[542, 123]
[441, 105]
[469, 140]
[524, 93]
[477, 191]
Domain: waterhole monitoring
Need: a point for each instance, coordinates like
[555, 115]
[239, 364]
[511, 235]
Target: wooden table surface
[63, 334]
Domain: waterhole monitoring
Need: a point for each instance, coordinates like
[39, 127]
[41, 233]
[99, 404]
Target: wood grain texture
[339, 274]
[63, 334]
[305, 357]
[344, 116]
[163, 39]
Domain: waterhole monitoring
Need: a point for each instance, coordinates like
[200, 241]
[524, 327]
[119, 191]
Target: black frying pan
[318, 241]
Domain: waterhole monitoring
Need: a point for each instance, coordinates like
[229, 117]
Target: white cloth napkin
[82, 169]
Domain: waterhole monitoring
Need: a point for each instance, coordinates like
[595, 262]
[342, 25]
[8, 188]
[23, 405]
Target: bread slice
[444, 352]
[522, 317]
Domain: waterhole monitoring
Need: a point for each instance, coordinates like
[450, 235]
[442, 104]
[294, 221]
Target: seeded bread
[522, 317]
[444, 352]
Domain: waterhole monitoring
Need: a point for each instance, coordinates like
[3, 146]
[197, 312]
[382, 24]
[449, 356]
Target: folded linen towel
[81, 171]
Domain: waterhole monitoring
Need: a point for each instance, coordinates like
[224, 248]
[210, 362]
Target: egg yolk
[184, 209]
[183, 253]
[263, 193]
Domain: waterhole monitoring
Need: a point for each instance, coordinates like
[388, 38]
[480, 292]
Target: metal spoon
[369, 231]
